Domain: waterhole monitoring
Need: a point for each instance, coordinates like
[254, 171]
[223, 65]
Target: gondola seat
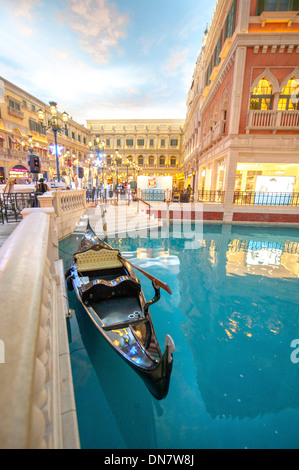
[100, 289]
[92, 260]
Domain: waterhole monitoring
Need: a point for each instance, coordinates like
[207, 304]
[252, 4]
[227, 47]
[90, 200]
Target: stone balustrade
[273, 120]
[68, 205]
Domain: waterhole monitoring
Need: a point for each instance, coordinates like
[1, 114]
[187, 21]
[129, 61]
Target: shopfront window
[267, 177]
[289, 98]
[261, 98]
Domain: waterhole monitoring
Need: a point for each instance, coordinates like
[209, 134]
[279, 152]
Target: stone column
[229, 184]
[214, 169]
[243, 18]
[237, 95]
[6, 170]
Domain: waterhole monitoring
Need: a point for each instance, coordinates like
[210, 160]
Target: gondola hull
[110, 293]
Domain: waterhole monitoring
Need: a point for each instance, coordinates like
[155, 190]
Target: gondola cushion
[123, 286]
[93, 260]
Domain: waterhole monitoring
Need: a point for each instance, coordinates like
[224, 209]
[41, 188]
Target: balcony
[273, 120]
[15, 112]
[207, 141]
[278, 17]
[215, 134]
[8, 154]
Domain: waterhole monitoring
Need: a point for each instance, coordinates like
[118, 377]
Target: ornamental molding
[274, 42]
[267, 74]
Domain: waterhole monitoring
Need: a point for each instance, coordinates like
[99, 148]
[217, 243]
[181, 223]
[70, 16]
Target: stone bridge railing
[37, 406]
[68, 205]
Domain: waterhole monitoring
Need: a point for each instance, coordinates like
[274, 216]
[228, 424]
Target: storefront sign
[154, 182]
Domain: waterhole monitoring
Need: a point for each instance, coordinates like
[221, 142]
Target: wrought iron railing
[93, 195]
[202, 196]
[153, 195]
[12, 205]
[211, 196]
[266, 199]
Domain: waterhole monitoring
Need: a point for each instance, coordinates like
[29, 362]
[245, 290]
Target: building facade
[148, 147]
[241, 134]
[21, 129]
[131, 147]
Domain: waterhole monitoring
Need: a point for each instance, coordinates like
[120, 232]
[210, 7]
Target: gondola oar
[159, 283]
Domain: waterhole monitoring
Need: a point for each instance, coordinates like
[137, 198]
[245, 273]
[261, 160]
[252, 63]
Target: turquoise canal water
[233, 315]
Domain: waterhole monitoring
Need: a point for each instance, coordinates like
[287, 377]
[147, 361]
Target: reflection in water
[117, 386]
[240, 323]
[233, 314]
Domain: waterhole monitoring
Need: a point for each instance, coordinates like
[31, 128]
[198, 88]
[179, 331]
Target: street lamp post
[33, 160]
[118, 159]
[128, 163]
[89, 186]
[100, 155]
[55, 127]
[100, 145]
[69, 164]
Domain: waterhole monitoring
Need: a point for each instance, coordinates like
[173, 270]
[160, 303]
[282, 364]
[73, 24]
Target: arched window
[173, 161]
[289, 98]
[162, 161]
[262, 97]
[151, 161]
[140, 160]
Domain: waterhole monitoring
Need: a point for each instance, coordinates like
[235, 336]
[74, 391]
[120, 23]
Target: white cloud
[150, 42]
[132, 109]
[99, 25]
[23, 8]
[177, 59]
[26, 30]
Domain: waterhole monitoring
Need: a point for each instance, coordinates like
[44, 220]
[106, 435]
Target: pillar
[229, 184]
[214, 169]
[243, 17]
[237, 95]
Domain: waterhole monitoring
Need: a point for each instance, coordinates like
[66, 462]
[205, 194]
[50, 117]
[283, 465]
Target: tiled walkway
[5, 230]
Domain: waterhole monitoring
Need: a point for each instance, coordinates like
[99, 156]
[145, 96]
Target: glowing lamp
[65, 117]
[41, 115]
[53, 108]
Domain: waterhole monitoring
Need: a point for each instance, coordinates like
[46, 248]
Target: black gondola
[111, 294]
